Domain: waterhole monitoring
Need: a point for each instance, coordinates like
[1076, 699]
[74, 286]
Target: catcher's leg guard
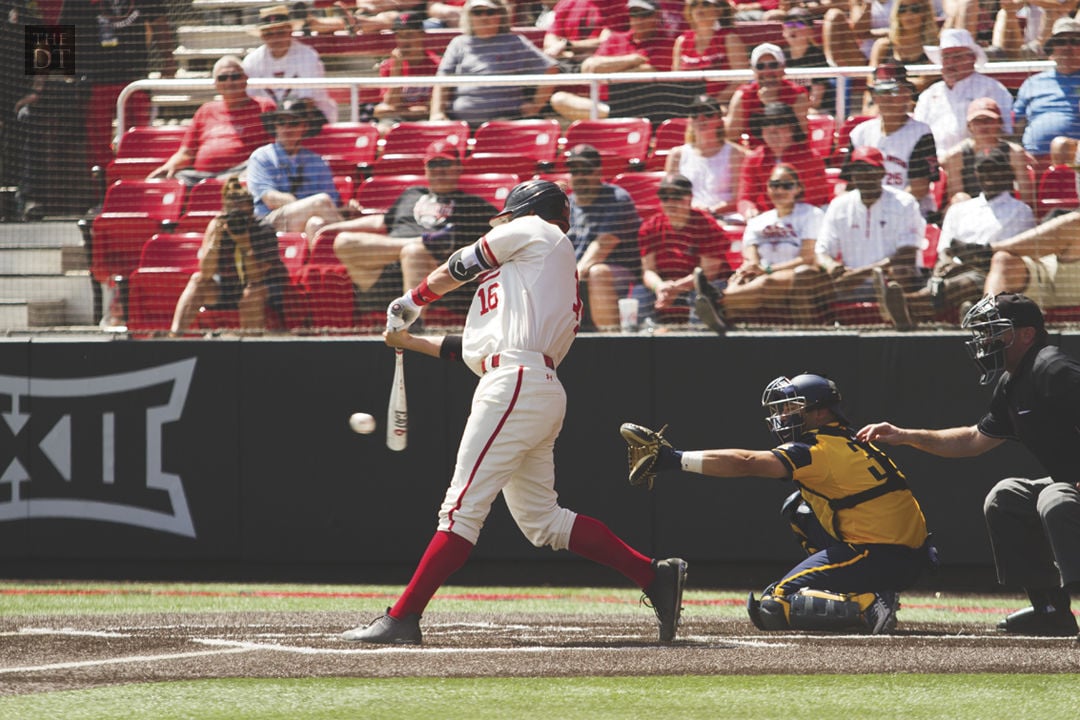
[829, 611]
[769, 613]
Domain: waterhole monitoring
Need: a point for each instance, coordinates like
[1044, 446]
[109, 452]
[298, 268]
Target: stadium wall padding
[233, 459]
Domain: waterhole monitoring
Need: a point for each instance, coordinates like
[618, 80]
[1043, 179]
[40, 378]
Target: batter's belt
[527, 358]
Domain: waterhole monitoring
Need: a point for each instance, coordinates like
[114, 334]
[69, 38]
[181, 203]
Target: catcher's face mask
[991, 336]
[784, 409]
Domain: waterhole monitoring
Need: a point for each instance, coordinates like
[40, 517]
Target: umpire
[1034, 524]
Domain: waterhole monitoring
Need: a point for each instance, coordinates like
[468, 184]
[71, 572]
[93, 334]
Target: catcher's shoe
[881, 615]
[1059, 623]
[664, 595]
[387, 630]
[891, 300]
[708, 303]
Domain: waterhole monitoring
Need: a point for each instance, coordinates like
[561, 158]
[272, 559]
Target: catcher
[863, 529]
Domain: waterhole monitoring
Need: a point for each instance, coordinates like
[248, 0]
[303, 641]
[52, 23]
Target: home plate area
[66, 652]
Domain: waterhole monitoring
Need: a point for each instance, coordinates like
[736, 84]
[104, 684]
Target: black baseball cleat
[753, 609]
[1059, 623]
[664, 595]
[708, 304]
[386, 630]
[881, 615]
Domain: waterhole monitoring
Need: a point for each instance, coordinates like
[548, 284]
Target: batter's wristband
[423, 295]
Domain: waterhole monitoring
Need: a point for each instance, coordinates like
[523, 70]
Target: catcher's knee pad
[769, 613]
[823, 610]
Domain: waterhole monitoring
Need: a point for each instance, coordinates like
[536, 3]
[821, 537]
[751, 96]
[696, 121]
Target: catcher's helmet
[991, 322]
[536, 197]
[785, 402]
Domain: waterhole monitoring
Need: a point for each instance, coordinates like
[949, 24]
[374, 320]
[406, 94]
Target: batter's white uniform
[780, 239]
[523, 319]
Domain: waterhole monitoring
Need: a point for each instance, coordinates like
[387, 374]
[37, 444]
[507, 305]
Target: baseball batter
[522, 321]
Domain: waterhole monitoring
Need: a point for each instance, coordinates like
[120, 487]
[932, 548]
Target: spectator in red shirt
[711, 43]
[408, 58]
[575, 32]
[223, 133]
[672, 243]
[642, 49]
[769, 86]
[785, 142]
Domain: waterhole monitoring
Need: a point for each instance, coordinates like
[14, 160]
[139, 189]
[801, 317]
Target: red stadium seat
[379, 192]
[293, 247]
[397, 164]
[142, 150]
[493, 187]
[413, 138]
[843, 139]
[346, 147]
[165, 265]
[929, 245]
[524, 147]
[132, 212]
[1057, 189]
[623, 143]
[344, 185]
[642, 188]
[670, 133]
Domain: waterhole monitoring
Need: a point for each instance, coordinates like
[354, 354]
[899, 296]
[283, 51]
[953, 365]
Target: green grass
[911, 697]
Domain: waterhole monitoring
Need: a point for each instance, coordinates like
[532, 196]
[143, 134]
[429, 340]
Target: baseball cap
[869, 155]
[584, 153]
[1022, 310]
[703, 104]
[646, 5]
[798, 16]
[767, 49]
[481, 3]
[888, 76]
[675, 185]
[983, 107]
[1062, 26]
[409, 21]
[442, 149]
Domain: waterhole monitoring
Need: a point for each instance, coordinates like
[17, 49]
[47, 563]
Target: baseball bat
[397, 412]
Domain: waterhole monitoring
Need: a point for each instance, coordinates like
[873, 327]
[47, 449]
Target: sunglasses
[290, 121]
[580, 170]
[771, 65]
[226, 77]
[782, 184]
[909, 9]
[887, 91]
[483, 12]
[707, 114]
[1073, 41]
[668, 196]
[642, 13]
[439, 163]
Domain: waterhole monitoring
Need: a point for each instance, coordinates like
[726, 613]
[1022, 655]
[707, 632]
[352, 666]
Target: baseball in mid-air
[361, 423]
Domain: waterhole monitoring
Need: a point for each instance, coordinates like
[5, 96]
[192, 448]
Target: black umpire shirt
[1039, 405]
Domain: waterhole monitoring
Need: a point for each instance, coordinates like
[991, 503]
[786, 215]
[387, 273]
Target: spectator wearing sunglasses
[293, 187]
[906, 144]
[784, 142]
[575, 31]
[280, 56]
[673, 242]
[769, 86]
[912, 27]
[802, 50]
[487, 46]
[778, 274]
[849, 36]
[710, 43]
[223, 133]
[1046, 104]
[707, 159]
[943, 106]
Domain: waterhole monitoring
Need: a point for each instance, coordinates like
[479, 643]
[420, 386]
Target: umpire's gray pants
[1035, 532]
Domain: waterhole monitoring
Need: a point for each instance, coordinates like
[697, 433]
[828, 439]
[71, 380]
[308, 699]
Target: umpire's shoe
[664, 595]
[1059, 623]
[387, 630]
[708, 304]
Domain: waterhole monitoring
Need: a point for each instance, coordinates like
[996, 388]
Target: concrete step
[41, 259]
[73, 289]
[40, 233]
[24, 314]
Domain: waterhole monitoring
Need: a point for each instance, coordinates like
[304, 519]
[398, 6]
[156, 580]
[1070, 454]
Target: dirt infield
[39, 654]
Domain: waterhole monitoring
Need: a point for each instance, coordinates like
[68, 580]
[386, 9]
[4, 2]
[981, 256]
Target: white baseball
[362, 423]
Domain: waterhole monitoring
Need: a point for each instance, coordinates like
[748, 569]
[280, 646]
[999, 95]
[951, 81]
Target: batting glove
[402, 313]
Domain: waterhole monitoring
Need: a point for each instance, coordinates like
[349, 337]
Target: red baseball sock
[594, 540]
[445, 555]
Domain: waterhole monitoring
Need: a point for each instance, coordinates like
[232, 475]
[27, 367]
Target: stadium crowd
[726, 202]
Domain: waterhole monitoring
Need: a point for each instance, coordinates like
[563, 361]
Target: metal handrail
[593, 80]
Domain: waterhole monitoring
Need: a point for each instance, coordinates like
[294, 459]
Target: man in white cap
[943, 106]
[769, 86]
[282, 57]
[1046, 105]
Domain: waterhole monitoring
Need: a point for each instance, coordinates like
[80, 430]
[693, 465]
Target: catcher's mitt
[645, 450]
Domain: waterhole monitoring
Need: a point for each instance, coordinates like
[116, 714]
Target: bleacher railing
[594, 81]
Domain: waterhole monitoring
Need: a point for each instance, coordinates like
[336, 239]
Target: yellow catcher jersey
[857, 493]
